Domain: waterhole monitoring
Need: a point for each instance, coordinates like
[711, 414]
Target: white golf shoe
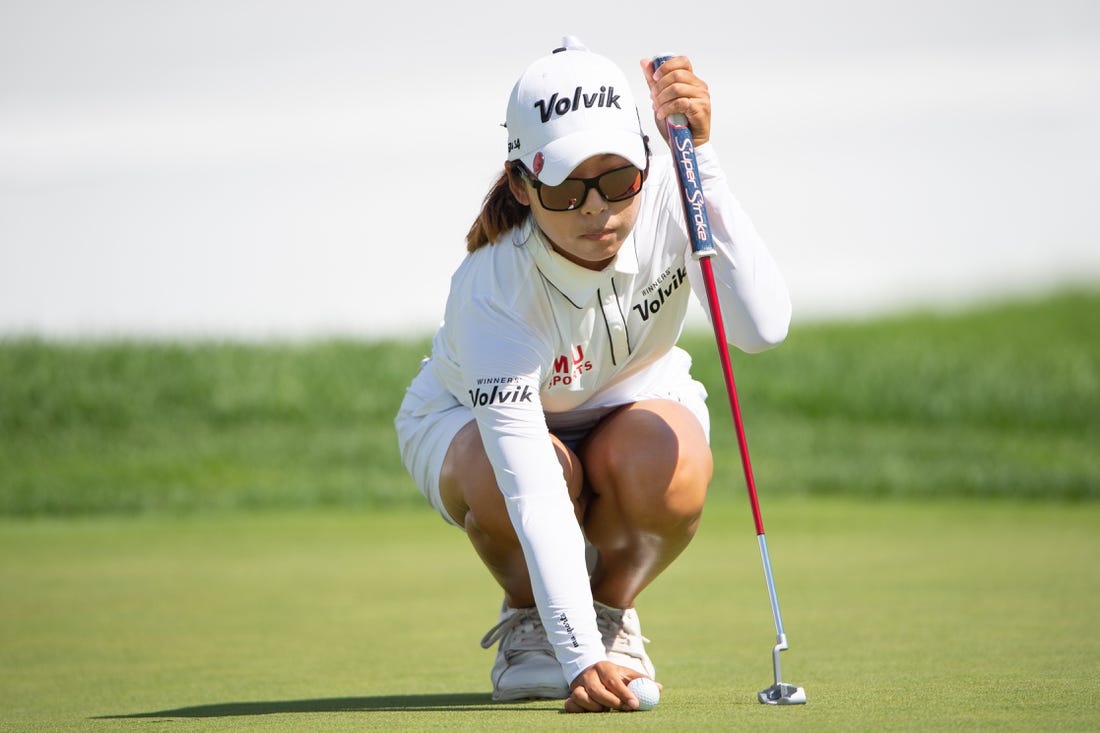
[622, 638]
[525, 666]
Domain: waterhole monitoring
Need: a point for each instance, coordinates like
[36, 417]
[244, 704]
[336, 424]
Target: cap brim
[560, 157]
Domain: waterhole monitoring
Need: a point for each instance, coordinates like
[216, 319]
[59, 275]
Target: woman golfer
[556, 421]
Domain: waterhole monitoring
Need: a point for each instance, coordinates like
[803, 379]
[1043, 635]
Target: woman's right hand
[603, 687]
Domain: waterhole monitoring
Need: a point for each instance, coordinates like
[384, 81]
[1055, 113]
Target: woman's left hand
[674, 87]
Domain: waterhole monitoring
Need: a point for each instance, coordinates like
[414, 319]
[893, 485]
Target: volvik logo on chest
[568, 367]
[653, 297]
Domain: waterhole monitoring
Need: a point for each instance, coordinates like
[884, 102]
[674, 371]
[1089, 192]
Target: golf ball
[646, 691]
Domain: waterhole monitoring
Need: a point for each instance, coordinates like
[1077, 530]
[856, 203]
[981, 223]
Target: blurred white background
[279, 168]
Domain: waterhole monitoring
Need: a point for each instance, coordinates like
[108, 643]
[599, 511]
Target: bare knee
[663, 486]
[466, 477]
[654, 467]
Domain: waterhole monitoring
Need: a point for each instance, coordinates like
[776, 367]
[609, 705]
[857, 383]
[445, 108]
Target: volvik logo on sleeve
[561, 106]
[499, 391]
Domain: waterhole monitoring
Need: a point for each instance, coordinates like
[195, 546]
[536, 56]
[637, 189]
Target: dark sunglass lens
[620, 184]
[563, 197]
[616, 185]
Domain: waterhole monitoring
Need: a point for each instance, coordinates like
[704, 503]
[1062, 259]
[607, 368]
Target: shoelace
[521, 631]
[616, 638]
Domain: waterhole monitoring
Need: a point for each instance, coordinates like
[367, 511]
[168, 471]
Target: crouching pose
[556, 421]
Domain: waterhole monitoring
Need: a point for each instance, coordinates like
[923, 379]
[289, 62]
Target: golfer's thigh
[650, 449]
[467, 481]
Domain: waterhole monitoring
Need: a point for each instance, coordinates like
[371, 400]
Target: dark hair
[500, 211]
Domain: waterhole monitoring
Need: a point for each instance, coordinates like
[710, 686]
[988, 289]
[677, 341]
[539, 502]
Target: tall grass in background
[132, 427]
[999, 401]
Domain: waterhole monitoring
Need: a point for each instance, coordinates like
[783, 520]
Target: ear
[516, 184]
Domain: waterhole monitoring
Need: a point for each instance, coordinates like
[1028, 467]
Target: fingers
[674, 88]
[580, 702]
[602, 687]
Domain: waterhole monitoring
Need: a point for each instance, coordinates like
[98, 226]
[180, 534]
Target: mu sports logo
[569, 367]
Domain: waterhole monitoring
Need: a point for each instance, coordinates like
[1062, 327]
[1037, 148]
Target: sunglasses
[615, 185]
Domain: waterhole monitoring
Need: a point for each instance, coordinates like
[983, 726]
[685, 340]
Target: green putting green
[901, 616]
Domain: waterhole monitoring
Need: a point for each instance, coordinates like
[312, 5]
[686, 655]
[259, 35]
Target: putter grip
[687, 173]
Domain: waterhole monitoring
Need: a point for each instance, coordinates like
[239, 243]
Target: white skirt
[430, 416]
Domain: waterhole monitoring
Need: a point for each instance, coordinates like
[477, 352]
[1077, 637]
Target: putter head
[782, 694]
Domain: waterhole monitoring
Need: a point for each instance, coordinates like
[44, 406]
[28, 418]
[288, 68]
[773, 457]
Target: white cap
[569, 106]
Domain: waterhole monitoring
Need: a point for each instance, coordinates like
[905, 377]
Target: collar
[577, 283]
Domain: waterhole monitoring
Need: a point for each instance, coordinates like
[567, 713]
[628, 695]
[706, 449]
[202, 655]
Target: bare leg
[647, 466]
[470, 494]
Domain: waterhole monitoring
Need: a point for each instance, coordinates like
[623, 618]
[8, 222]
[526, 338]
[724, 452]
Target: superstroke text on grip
[691, 188]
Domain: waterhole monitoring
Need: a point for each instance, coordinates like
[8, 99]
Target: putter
[691, 193]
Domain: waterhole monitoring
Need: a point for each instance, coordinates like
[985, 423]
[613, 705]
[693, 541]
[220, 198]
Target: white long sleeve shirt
[529, 336]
